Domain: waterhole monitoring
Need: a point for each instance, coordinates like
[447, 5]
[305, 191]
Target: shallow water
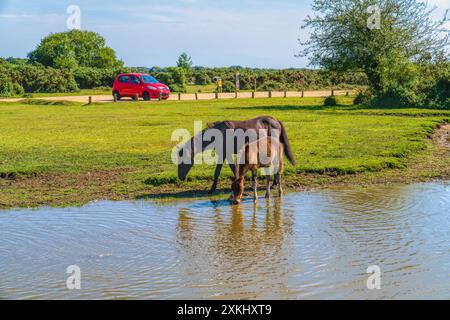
[306, 245]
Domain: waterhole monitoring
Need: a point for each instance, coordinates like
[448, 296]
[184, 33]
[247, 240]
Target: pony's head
[191, 150]
[237, 190]
[188, 160]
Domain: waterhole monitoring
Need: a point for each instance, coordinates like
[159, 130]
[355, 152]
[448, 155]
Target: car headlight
[152, 88]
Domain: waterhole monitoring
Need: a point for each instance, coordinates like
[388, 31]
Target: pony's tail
[287, 147]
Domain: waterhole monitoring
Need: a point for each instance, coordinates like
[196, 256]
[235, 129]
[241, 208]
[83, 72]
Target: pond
[307, 245]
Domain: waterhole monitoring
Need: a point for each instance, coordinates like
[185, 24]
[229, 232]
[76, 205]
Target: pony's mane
[220, 125]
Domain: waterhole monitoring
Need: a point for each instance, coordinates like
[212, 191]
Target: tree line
[74, 60]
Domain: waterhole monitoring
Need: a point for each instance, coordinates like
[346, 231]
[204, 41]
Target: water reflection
[241, 254]
[305, 245]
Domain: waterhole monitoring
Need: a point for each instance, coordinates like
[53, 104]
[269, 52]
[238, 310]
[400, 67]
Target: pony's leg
[280, 188]
[216, 177]
[255, 185]
[233, 168]
[276, 180]
[267, 186]
[279, 174]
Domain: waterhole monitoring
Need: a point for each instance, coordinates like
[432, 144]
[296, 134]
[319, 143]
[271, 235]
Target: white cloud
[16, 16]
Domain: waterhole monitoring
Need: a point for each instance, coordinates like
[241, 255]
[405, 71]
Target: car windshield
[148, 79]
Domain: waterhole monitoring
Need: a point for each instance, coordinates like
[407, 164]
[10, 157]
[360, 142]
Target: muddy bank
[123, 184]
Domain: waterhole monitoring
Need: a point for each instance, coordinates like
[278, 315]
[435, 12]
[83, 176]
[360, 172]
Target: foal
[266, 154]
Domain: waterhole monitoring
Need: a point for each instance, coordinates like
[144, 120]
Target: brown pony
[264, 153]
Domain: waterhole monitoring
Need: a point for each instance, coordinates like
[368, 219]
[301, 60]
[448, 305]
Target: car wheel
[146, 96]
[116, 95]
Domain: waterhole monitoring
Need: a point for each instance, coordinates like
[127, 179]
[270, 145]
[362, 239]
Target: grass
[65, 153]
[208, 88]
[81, 92]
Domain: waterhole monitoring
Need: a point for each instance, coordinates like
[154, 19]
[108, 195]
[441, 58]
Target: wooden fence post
[196, 96]
[179, 96]
[285, 93]
[270, 93]
[90, 100]
[253, 94]
[303, 93]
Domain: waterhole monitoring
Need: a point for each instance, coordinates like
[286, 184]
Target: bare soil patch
[442, 136]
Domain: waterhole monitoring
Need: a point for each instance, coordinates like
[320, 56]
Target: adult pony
[259, 124]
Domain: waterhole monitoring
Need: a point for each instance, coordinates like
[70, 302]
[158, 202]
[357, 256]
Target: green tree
[184, 61]
[345, 35]
[75, 48]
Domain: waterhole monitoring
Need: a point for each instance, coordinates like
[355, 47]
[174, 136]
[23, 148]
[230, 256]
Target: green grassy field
[118, 150]
[208, 88]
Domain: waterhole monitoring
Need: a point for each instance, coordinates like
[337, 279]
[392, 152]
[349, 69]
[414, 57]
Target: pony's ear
[210, 124]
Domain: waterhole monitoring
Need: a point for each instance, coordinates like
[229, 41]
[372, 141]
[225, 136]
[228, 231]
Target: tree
[75, 48]
[346, 36]
[184, 61]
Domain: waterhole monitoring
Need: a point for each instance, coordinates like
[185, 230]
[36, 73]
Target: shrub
[362, 98]
[228, 86]
[396, 96]
[87, 78]
[439, 93]
[176, 88]
[202, 78]
[18, 89]
[270, 85]
[330, 101]
[177, 79]
[37, 78]
[6, 86]
[164, 77]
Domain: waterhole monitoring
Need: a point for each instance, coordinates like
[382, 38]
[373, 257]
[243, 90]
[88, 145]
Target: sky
[154, 32]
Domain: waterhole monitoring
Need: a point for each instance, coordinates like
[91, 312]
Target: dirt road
[199, 96]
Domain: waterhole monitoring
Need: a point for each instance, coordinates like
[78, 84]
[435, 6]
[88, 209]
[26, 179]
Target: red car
[140, 84]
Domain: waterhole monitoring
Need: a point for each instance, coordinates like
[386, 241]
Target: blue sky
[148, 33]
